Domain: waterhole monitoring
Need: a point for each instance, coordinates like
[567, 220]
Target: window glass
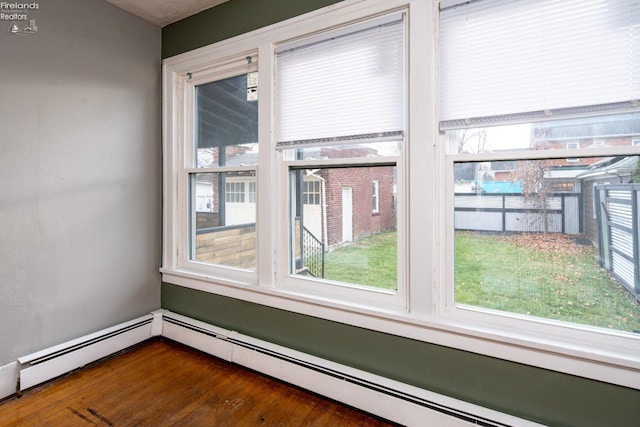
[553, 238]
[226, 123]
[338, 239]
[347, 151]
[341, 96]
[223, 229]
[222, 225]
[615, 130]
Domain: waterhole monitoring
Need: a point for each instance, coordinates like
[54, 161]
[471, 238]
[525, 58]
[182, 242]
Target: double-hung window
[538, 97]
[340, 120]
[269, 181]
[215, 171]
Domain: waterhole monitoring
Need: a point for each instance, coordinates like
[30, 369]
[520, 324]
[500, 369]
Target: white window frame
[376, 196]
[232, 186]
[427, 313]
[312, 191]
[321, 288]
[380, 298]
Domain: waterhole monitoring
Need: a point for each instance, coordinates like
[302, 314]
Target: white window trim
[395, 301]
[606, 356]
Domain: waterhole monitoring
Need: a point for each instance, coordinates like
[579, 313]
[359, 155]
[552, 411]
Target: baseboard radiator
[392, 400]
[50, 363]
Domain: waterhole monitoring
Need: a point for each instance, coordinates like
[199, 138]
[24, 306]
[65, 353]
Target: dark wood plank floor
[162, 383]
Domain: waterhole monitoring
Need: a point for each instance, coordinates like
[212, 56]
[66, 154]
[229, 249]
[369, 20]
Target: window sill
[616, 366]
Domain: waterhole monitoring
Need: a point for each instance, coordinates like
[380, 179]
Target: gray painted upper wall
[80, 174]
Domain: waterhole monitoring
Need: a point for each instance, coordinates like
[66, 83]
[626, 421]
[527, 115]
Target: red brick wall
[582, 143]
[363, 219]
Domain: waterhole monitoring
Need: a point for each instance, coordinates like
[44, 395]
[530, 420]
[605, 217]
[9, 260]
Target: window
[312, 190]
[376, 196]
[219, 177]
[235, 192]
[530, 251]
[252, 191]
[532, 155]
[356, 248]
[342, 93]
[331, 189]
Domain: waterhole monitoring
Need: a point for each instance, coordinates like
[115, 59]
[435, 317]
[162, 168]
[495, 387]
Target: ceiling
[164, 12]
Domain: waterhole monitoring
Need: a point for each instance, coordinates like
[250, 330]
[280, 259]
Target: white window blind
[346, 85]
[509, 60]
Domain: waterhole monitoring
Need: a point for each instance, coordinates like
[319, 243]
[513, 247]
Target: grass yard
[550, 277]
[545, 276]
[368, 261]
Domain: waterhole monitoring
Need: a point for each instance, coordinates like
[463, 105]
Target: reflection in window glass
[582, 133]
[223, 229]
[526, 240]
[334, 236]
[346, 151]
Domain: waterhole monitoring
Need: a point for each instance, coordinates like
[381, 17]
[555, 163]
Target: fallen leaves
[551, 242]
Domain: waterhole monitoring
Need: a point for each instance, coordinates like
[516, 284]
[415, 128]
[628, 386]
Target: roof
[621, 165]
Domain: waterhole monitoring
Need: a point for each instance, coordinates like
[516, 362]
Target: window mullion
[420, 172]
[268, 193]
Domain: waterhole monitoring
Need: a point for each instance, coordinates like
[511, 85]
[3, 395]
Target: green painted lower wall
[544, 396]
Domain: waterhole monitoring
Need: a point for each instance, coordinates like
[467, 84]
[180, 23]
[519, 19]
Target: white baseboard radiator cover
[50, 363]
[389, 399]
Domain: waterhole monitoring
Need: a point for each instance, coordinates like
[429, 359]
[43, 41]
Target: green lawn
[368, 261]
[552, 281]
[497, 273]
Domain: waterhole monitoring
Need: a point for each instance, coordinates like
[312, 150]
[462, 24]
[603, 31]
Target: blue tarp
[499, 186]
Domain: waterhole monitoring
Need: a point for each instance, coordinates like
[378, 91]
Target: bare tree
[469, 141]
[537, 188]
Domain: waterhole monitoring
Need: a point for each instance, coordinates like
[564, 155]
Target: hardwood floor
[162, 383]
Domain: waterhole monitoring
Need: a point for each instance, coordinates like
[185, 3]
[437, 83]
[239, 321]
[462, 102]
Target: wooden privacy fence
[233, 245]
[618, 219]
[513, 213]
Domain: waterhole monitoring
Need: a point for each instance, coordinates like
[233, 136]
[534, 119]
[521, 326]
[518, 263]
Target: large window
[524, 239]
[340, 101]
[480, 193]
[225, 137]
[542, 171]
